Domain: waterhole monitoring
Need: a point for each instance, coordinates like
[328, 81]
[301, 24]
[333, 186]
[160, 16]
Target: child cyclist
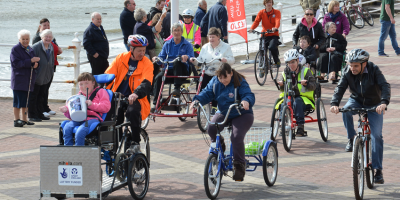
[100, 104]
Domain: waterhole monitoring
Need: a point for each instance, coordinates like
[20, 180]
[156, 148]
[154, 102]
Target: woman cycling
[222, 89]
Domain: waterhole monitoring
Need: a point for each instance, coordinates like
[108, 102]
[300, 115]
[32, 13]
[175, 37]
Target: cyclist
[304, 94]
[368, 89]
[222, 89]
[271, 20]
[133, 77]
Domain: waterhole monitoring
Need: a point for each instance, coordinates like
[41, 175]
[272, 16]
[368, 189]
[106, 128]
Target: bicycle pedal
[238, 180]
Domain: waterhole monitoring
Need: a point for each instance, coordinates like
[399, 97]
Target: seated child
[100, 104]
[306, 50]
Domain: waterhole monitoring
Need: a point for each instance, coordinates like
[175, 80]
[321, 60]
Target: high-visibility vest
[306, 95]
[190, 37]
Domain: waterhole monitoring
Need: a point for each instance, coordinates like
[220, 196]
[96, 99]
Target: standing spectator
[141, 28]
[23, 68]
[96, 44]
[159, 43]
[313, 4]
[311, 27]
[160, 4]
[127, 21]
[334, 15]
[166, 22]
[217, 17]
[44, 50]
[387, 28]
[200, 12]
[45, 24]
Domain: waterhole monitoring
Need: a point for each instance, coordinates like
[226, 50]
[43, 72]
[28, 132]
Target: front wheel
[275, 121]
[367, 16]
[286, 128]
[145, 144]
[212, 180]
[202, 118]
[322, 120]
[260, 68]
[358, 170]
[270, 165]
[355, 18]
[183, 102]
[369, 172]
[138, 177]
[145, 122]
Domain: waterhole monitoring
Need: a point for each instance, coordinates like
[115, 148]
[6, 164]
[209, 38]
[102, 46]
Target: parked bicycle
[356, 15]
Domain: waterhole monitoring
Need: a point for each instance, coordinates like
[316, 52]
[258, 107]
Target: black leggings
[134, 115]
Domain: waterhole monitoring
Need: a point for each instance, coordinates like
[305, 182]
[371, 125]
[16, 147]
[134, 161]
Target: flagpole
[247, 61]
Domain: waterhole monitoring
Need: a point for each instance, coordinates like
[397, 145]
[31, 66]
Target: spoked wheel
[322, 120]
[270, 165]
[183, 101]
[145, 122]
[121, 167]
[275, 121]
[369, 172]
[367, 16]
[260, 68]
[201, 117]
[138, 177]
[355, 18]
[212, 181]
[145, 144]
[286, 128]
[358, 170]
[273, 69]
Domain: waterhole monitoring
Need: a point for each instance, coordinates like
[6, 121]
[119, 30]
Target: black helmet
[357, 55]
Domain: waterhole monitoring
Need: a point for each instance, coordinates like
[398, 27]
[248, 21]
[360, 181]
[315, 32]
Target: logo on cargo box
[64, 173]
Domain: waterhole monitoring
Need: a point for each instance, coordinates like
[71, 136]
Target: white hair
[176, 25]
[140, 14]
[94, 14]
[46, 32]
[220, 1]
[201, 2]
[23, 32]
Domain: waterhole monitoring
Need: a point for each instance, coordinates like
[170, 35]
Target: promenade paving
[313, 169]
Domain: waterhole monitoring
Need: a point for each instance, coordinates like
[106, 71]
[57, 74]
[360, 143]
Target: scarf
[334, 16]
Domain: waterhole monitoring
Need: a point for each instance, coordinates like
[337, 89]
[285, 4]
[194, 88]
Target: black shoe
[239, 170]
[300, 131]
[35, 119]
[44, 118]
[176, 92]
[28, 123]
[18, 123]
[379, 177]
[349, 146]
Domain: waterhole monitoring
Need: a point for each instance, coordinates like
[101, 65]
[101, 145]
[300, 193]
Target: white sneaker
[52, 112]
[46, 114]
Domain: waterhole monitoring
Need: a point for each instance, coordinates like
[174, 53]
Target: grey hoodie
[46, 65]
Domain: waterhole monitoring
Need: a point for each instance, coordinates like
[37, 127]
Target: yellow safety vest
[307, 96]
[190, 37]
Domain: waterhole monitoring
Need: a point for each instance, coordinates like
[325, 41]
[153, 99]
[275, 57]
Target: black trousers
[134, 116]
[179, 69]
[35, 105]
[46, 107]
[272, 42]
[98, 65]
[335, 63]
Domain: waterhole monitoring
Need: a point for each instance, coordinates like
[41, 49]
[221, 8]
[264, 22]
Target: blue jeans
[298, 110]
[127, 47]
[80, 134]
[387, 28]
[375, 123]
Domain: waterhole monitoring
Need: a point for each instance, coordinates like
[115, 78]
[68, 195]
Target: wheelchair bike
[105, 164]
[282, 119]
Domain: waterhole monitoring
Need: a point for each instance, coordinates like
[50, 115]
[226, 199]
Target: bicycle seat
[326, 4]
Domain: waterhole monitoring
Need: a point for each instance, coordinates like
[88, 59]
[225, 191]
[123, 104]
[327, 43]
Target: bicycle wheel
[270, 165]
[273, 68]
[138, 177]
[355, 18]
[275, 121]
[145, 144]
[259, 68]
[286, 128]
[121, 168]
[202, 119]
[358, 170]
[367, 16]
[183, 101]
[145, 122]
[212, 182]
[369, 172]
[322, 120]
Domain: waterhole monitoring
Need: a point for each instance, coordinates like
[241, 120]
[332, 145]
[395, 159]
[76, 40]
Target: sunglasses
[187, 16]
[309, 14]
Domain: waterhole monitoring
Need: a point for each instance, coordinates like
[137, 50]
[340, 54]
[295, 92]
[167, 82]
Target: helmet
[137, 41]
[188, 12]
[291, 55]
[357, 55]
[302, 60]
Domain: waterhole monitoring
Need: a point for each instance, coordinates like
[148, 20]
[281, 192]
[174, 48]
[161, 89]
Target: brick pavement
[313, 169]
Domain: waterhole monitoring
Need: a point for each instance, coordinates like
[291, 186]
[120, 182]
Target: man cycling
[304, 94]
[133, 78]
[271, 20]
[368, 89]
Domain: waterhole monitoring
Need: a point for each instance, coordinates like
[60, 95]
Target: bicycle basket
[254, 140]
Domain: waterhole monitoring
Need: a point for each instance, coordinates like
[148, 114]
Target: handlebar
[373, 109]
[204, 62]
[179, 58]
[258, 33]
[236, 105]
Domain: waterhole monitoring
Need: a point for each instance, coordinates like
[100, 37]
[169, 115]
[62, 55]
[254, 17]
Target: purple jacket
[21, 68]
[342, 24]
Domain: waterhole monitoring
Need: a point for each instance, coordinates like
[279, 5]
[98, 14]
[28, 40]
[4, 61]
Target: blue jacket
[225, 96]
[127, 23]
[21, 68]
[197, 20]
[172, 51]
[217, 16]
[95, 41]
[145, 30]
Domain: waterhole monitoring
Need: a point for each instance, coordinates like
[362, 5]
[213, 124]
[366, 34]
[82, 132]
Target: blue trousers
[298, 110]
[80, 134]
[387, 28]
[375, 123]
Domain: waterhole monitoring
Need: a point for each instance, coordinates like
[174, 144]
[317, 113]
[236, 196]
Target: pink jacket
[100, 104]
[197, 34]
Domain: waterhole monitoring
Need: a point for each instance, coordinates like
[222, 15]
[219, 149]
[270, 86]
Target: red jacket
[268, 21]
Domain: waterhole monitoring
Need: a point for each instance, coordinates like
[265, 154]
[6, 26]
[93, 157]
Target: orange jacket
[119, 67]
[273, 21]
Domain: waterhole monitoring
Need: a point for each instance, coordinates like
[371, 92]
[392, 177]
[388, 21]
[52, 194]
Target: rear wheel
[275, 121]
[358, 170]
[145, 144]
[273, 68]
[286, 128]
[270, 165]
[367, 16]
[202, 119]
[322, 120]
[145, 122]
[183, 102]
[369, 172]
[212, 181]
[355, 18]
[260, 68]
[138, 177]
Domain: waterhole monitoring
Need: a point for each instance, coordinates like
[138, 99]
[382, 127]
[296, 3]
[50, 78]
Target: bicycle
[264, 62]
[356, 14]
[324, 11]
[219, 164]
[362, 152]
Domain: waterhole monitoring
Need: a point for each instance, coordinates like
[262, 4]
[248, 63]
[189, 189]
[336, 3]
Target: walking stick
[29, 91]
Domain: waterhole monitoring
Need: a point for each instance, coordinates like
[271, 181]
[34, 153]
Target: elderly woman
[311, 27]
[334, 47]
[44, 50]
[23, 73]
[334, 15]
[142, 28]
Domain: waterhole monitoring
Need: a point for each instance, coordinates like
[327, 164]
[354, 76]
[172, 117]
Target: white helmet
[188, 12]
[302, 60]
[291, 55]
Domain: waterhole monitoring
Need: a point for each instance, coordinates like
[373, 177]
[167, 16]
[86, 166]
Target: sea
[68, 17]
